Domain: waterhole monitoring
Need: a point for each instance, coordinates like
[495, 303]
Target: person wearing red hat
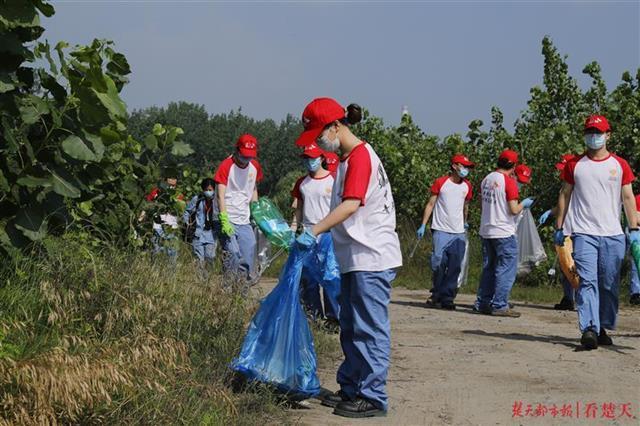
[522, 172]
[567, 303]
[332, 161]
[312, 193]
[634, 281]
[236, 186]
[363, 226]
[596, 183]
[449, 203]
[500, 210]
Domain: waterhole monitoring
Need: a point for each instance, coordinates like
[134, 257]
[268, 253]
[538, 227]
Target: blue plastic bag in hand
[278, 347]
[321, 266]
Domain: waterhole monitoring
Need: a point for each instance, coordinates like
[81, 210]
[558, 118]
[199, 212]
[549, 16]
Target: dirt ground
[460, 368]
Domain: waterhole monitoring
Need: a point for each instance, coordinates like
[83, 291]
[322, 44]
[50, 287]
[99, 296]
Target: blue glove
[634, 236]
[558, 237]
[527, 202]
[420, 231]
[544, 217]
[306, 240]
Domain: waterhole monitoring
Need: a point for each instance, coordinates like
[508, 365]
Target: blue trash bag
[278, 348]
[322, 266]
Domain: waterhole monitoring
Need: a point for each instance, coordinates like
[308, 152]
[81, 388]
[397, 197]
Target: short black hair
[207, 182]
[505, 164]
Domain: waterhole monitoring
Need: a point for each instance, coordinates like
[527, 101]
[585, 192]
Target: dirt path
[456, 367]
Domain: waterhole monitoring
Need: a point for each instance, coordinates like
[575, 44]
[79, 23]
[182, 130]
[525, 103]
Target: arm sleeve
[511, 188]
[568, 172]
[437, 185]
[295, 193]
[470, 193]
[153, 194]
[627, 173]
[356, 180]
[259, 175]
[189, 209]
[222, 174]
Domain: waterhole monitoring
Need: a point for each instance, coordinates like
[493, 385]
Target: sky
[448, 61]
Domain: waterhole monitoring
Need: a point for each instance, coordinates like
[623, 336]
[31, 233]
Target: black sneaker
[335, 398]
[449, 306]
[432, 303]
[359, 408]
[484, 310]
[604, 339]
[589, 339]
[564, 305]
[634, 299]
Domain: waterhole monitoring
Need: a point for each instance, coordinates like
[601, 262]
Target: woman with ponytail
[362, 222]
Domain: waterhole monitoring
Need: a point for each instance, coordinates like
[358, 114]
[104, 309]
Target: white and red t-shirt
[596, 200]
[366, 241]
[448, 213]
[315, 195]
[240, 185]
[497, 221]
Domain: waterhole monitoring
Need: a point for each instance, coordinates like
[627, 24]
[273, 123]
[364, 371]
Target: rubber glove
[306, 240]
[544, 217]
[527, 202]
[558, 237]
[634, 236]
[420, 231]
[227, 227]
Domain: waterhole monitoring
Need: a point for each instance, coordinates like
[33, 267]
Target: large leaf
[32, 108]
[31, 222]
[63, 187]
[181, 149]
[96, 145]
[75, 147]
[111, 100]
[33, 182]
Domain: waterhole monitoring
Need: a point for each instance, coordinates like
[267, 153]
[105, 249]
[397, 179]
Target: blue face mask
[595, 140]
[208, 194]
[241, 160]
[313, 164]
[463, 172]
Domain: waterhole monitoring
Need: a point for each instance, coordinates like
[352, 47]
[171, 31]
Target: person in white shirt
[500, 210]
[363, 226]
[596, 185]
[236, 186]
[312, 193]
[449, 204]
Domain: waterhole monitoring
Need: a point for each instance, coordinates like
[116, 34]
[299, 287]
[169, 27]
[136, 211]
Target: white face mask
[327, 144]
[595, 140]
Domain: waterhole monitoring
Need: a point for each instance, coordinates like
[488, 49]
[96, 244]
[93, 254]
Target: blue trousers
[634, 286]
[365, 334]
[313, 302]
[499, 268]
[239, 252]
[598, 262]
[205, 251]
[446, 261]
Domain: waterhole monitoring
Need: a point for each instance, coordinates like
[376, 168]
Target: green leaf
[63, 187]
[158, 130]
[31, 222]
[85, 207]
[75, 147]
[33, 182]
[4, 183]
[32, 108]
[181, 149]
[96, 145]
[7, 83]
[151, 142]
[111, 100]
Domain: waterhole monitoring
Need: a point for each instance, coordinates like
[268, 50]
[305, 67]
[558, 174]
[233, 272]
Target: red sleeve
[511, 188]
[295, 193]
[437, 184]
[153, 194]
[470, 193]
[259, 175]
[627, 173]
[638, 202]
[356, 180]
[569, 170]
[222, 174]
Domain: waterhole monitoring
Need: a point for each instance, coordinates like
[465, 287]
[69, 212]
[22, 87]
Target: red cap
[564, 160]
[523, 173]
[332, 160]
[316, 116]
[247, 145]
[509, 155]
[312, 151]
[462, 159]
[598, 122]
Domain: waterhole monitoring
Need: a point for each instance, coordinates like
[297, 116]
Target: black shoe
[432, 303]
[449, 306]
[484, 310]
[604, 339]
[359, 408]
[589, 339]
[564, 305]
[333, 399]
[634, 299]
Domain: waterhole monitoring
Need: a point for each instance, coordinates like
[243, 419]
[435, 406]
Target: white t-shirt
[240, 185]
[596, 201]
[448, 213]
[497, 221]
[315, 195]
[366, 241]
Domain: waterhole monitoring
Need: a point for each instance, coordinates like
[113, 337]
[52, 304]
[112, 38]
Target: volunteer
[567, 303]
[449, 203]
[500, 209]
[312, 193]
[236, 186]
[202, 214]
[596, 184]
[362, 223]
[165, 239]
